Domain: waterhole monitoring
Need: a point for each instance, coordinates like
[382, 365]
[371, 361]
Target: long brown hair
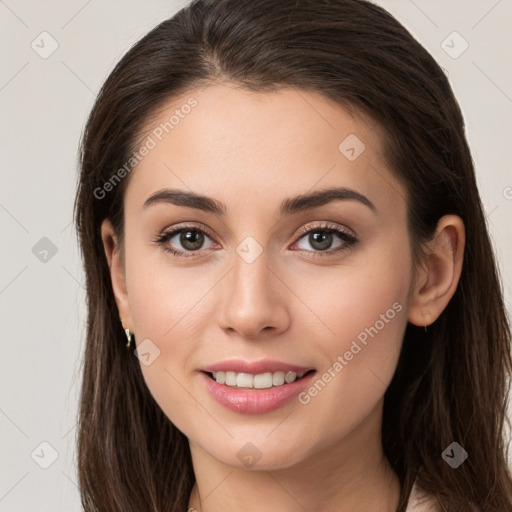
[451, 383]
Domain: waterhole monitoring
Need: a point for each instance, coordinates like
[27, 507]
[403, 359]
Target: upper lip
[254, 367]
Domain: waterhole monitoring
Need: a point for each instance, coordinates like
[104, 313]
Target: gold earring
[128, 334]
[128, 337]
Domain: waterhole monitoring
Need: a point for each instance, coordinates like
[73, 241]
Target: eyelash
[348, 239]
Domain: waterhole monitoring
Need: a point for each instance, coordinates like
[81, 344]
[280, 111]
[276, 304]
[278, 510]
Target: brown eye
[191, 240]
[184, 241]
[321, 239]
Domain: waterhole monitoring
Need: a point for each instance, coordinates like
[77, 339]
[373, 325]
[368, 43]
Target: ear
[438, 274]
[117, 273]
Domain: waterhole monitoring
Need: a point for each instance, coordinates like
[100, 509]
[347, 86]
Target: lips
[255, 387]
[255, 367]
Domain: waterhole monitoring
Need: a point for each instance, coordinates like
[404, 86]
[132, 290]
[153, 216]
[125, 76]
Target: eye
[191, 239]
[321, 239]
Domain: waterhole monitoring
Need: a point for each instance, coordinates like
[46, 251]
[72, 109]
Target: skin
[251, 151]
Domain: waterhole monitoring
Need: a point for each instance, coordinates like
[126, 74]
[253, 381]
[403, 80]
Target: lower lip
[255, 401]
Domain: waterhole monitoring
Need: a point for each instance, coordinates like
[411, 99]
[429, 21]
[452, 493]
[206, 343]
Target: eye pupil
[195, 238]
[324, 238]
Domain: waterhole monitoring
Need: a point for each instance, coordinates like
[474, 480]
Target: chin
[261, 455]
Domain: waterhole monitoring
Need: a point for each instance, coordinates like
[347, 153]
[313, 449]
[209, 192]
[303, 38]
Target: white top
[420, 501]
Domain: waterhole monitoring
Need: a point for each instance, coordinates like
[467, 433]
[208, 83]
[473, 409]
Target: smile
[255, 387]
[259, 381]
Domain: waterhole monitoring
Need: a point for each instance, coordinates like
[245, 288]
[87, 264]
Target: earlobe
[117, 273]
[439, 272]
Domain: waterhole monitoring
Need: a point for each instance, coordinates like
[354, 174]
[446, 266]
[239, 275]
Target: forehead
[233, 143]
[228, 113]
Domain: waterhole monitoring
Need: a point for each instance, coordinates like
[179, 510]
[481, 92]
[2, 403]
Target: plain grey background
[55, 56]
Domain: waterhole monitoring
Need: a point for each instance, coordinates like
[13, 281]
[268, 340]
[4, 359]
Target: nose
[253, 302]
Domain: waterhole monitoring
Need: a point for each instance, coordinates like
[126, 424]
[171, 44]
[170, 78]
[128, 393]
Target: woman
[277, 207]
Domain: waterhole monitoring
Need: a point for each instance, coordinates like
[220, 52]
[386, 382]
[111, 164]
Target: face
[257, 283]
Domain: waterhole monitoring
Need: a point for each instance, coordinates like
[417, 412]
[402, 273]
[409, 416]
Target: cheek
[366, 326]
[166, 299]
[366, 312]
[169, 308]
[369, 293]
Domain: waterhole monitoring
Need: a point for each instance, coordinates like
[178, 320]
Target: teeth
[290, 377]
[278, 378]
[244, 380]
[230, 379]
[260, 381]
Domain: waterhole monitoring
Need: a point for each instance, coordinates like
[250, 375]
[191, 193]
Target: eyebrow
[288, 206]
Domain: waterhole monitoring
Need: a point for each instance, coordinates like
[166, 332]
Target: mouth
[257, 386]
[265, 380]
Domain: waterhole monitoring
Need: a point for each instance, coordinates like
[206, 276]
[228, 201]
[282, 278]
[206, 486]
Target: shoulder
[420, 501]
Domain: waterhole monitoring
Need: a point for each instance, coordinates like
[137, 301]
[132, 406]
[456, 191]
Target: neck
[349, 474]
